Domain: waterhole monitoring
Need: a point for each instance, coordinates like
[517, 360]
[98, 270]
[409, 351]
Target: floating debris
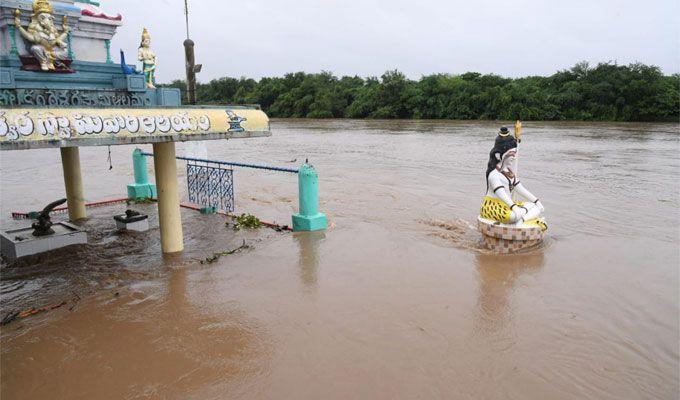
[216, 256]
[12, 315]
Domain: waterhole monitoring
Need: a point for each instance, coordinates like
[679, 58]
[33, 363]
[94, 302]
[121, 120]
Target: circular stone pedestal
[505, 239]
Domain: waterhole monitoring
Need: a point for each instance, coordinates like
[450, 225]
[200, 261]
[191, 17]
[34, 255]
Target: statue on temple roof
[47, 44]
[148, 59]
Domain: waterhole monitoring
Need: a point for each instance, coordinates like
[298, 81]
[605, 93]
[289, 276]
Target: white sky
[256, 38]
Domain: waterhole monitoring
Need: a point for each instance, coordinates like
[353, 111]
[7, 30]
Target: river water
[397, 299]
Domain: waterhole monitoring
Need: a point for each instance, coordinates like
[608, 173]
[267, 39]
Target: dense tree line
[607, 92]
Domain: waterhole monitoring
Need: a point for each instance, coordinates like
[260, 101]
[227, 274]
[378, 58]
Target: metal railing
[234, 164]
[211, 187]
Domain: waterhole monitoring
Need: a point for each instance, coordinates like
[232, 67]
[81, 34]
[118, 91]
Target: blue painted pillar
[107, 46]
[13, 41]
[141, 189]
[308, 218]
[71, 55]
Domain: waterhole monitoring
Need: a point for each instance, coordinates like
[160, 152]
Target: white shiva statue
[502, 185]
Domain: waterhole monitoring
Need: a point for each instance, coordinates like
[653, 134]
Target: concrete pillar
[308, 218]
[73, 181]
[169, 217]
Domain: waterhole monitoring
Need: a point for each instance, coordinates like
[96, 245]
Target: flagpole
[186, 15]
[191, 68]
[518, 136]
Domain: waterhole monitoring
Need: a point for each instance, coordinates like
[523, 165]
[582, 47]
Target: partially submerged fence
[210, 185]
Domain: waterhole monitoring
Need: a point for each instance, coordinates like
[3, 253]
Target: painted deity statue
[502, 185]
[148, 59]
[47, 44]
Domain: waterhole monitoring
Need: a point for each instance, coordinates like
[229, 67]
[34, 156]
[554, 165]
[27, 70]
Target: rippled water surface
[397, 299]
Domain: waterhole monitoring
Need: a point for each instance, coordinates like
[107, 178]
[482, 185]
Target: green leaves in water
[243, 221]
[216, 256]
[246, 221]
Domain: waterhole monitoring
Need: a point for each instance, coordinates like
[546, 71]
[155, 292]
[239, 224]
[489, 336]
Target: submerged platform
[20, 242]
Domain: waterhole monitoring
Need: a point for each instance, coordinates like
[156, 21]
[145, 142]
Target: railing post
[141, 189]
[309, 218]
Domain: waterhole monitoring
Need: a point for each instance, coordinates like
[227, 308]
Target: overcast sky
[256, 38]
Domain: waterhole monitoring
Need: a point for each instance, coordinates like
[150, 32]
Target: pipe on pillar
[73, 182]
[169, 217]
[191, 70]
[139, 167]
[141, 189]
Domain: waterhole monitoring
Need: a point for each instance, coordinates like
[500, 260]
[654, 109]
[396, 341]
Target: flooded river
[397, 299]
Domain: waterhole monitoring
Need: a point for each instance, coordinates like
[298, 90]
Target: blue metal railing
[211, 185]
[234, 164]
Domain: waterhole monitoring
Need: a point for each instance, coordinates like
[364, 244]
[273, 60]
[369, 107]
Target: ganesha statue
[44, 40]
[511, 217]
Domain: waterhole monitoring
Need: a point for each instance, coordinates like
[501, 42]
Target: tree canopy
[606, 92]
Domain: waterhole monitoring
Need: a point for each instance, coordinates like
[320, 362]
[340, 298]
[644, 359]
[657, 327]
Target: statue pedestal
[505, 239]
[30, 63]
[20, 242]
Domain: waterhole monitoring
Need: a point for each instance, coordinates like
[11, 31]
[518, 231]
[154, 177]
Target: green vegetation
[607, 92]
[246, 221]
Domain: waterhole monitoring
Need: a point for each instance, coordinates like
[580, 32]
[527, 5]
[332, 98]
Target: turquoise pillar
[13, 41]
[71, 55]
[309, 218]
[141, 189]
[107, 46]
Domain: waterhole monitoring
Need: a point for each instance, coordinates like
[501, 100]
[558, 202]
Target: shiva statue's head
[503, 155]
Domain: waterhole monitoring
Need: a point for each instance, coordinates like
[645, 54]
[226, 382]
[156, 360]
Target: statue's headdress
[501, 146]
[42, 6]
[503, 141]
[145, 35]
[503, 131]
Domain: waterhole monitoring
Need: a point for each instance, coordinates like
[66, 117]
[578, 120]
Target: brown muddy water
[396, 300]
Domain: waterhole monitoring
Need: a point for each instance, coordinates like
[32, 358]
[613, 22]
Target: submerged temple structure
[60, 88]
